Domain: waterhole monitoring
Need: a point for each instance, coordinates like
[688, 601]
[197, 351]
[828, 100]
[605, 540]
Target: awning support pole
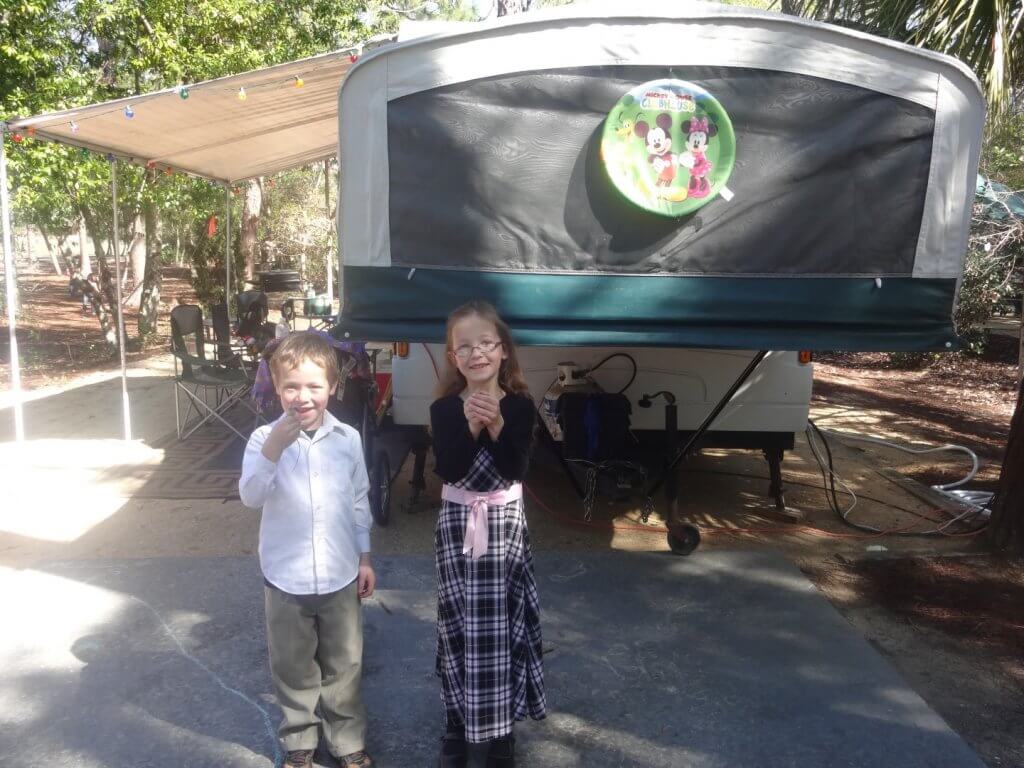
[706, 424]
[330, 248]
[227, 248]
[121, 336]
[12, 290]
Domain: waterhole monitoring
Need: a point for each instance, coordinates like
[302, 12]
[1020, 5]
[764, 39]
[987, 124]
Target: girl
[488, 616]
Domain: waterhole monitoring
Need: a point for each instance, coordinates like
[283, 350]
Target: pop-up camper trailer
[683, 183]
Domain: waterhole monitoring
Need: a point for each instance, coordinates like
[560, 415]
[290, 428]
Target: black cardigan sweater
[455, 448]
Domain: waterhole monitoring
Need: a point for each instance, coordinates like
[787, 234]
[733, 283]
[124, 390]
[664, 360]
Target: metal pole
[227, 249]
[330, 249]
[706, 424]
[12, 290]
[116, 250]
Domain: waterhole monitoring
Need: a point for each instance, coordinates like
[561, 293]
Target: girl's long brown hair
[510, 375]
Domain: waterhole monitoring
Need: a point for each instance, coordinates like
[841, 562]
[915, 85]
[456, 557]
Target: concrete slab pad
[727, 658]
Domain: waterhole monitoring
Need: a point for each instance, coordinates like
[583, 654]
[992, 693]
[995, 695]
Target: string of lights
[128, 107]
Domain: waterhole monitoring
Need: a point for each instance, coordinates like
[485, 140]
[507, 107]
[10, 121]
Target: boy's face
[305, 391]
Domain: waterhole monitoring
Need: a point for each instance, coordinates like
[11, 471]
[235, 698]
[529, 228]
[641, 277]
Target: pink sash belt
[476, 522]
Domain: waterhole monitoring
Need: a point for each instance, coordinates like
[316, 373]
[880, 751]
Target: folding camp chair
[253, 309]
[196, 376]
[230, 346]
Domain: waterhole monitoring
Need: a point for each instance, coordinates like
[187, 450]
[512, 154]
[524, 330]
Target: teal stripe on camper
[394, 304]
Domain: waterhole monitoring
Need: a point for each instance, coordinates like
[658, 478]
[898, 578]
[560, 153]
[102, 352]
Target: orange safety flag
[211, 227]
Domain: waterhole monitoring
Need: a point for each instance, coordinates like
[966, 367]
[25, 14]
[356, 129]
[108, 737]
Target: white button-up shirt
[316, 512]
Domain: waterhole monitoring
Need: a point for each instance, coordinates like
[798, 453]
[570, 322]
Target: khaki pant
[316, 656]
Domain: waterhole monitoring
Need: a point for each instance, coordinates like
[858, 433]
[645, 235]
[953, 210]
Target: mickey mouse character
[659, 147]
[698, 131]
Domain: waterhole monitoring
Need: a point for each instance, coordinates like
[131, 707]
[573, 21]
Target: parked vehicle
[707, 189]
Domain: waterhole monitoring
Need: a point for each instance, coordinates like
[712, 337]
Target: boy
[306, 471]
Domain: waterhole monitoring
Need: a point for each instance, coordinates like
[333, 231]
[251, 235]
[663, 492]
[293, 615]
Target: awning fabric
[213, 133]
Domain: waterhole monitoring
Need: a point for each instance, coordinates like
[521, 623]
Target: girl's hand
[475, 424]
[283, 434]
[488, 411]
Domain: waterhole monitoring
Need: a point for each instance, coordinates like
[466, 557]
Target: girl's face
[476, 350]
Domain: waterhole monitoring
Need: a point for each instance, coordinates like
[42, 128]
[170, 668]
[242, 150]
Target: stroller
[357, 403]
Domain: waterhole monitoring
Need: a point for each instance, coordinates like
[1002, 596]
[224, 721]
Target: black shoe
[502, 752]
[453, 750]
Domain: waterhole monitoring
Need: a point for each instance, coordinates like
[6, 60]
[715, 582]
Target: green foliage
[987, 35]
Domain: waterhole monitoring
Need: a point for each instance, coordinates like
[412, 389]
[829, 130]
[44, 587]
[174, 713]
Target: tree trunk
[151, 279]
[137, 259]
[1006, 529]
[84, 262]
[52, 253]
[250, 223]
[791, 7]
[103, 301]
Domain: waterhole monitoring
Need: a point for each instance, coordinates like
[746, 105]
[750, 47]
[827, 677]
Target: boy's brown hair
[301, 346]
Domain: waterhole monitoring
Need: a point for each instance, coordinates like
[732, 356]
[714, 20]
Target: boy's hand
[367, 578]
[283, 434]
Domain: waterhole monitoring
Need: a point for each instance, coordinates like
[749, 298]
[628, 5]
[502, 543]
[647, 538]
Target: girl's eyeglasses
[465, 351]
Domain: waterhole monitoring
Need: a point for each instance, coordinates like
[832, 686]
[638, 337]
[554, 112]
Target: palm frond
[987, 35]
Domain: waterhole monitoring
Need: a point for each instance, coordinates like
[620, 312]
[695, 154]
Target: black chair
[197, 376]
[253, 310]
[230, 346]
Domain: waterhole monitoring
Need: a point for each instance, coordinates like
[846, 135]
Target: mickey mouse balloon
[669, 147]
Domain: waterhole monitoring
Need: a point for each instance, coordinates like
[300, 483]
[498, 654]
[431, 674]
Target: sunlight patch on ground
[53, 614]
[58, 490]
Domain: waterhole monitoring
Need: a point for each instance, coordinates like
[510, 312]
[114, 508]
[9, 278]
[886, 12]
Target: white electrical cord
[811, 441]
[976, 501]
[918, 451]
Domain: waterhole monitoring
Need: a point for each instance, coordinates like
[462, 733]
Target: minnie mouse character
[659, 148]
[698, 131]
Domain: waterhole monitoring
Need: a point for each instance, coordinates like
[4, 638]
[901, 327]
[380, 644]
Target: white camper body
[776, 397]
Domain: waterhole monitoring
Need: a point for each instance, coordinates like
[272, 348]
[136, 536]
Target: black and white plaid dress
[488, 615]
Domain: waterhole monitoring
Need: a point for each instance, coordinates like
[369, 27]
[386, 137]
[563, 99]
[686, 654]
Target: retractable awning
[251, 124]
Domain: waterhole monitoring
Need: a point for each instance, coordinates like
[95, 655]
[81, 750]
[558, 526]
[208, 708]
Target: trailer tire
[683, 539]
[380, 489]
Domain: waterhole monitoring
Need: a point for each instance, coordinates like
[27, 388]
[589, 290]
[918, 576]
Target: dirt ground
[58, 343]
[953, 626]
[947, 613]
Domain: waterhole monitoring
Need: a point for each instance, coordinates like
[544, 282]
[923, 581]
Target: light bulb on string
[242, 96]
[299, 82]
[17, 138]
[31, 130]
[353, 58]
[182, 92]
[129, 112]
[74, 127]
